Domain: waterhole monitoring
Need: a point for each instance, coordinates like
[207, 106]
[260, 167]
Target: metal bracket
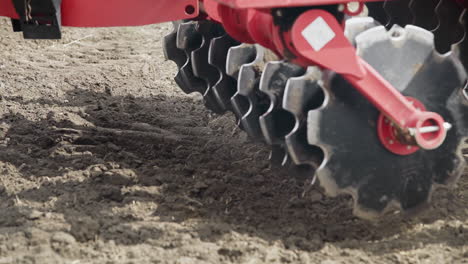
[318, 38]
[39, 19]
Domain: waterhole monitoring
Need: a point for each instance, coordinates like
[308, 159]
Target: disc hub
[394, 139]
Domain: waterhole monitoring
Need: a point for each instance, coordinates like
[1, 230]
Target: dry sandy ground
[104, 160]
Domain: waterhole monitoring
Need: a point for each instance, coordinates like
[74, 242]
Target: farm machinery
[368, 97]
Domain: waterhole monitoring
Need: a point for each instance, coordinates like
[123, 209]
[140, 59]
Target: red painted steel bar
[111, 13]
[284, 3]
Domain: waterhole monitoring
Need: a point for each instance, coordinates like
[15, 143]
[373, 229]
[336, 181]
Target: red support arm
[317, 38]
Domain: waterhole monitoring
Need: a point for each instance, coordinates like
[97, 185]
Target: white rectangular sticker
[318, 34]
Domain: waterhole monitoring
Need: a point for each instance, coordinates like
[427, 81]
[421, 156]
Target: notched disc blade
[303, 94]
[171, 52]
[238, 56]
[276, 123]
[188, 40]
[201, 68]
[357, 25]
[248, 101]
[356, 162]
[226, 86]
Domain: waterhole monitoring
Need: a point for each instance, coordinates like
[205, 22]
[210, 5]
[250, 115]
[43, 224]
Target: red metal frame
[110, 13]
[7, 9]
[284, 3]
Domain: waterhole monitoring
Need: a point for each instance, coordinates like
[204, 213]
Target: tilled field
[104, 160]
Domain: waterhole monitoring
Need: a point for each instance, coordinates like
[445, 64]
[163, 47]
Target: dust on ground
[104, 160]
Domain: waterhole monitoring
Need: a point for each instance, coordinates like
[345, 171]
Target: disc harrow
[298, 111]
[258, 105]
[369, 97]
[231, 72]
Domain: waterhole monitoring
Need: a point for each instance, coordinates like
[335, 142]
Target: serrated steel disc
[357, 25]
[201, 68]
[302, 94]
[420, 42]
[188, 40]
[276, 123]
[171, 52]
[248, 102]
[238, 56]
[183, 79]
[226, 86]
[355, 161]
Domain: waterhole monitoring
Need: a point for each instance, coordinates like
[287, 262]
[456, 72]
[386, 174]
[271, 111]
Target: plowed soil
[104, 160]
